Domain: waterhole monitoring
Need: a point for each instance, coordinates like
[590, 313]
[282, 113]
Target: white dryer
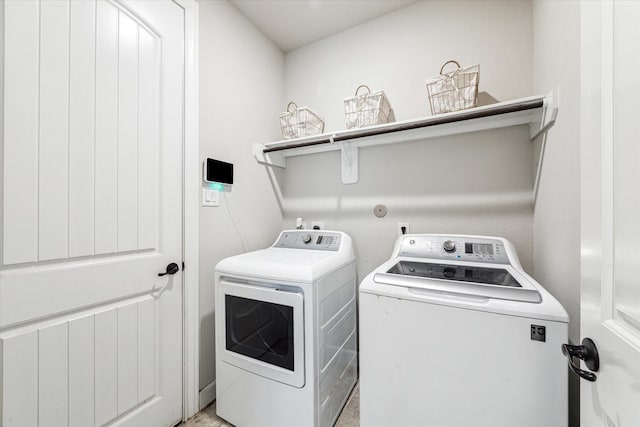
[286, 331]
[454, 333]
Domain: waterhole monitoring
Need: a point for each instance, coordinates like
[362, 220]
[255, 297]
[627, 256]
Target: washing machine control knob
[449, 246]
[307, 238]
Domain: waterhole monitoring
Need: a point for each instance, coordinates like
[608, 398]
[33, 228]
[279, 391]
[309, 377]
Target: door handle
[587, 352]
[171, 269]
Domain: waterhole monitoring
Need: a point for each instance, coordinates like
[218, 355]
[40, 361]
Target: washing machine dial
[449, 246]
[449, 272]
[306, 239]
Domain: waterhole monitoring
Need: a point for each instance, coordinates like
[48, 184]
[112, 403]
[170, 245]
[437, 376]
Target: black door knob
[587, 352]
[171, 269]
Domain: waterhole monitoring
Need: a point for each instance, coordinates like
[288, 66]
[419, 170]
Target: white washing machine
[454, 333]
[286, 331]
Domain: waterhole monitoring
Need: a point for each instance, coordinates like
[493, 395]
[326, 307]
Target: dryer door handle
[587, 352]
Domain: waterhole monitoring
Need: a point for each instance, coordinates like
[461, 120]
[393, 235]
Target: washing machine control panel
[471, 249]
[309, 239]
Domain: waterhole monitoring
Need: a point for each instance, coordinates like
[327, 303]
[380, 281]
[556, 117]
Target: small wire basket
[455, 90]
[367, 109]
[298, 122]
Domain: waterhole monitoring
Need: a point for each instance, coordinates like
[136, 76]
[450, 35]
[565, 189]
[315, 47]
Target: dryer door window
[260, 330]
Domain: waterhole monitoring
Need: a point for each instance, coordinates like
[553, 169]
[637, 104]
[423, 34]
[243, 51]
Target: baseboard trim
[207, 395]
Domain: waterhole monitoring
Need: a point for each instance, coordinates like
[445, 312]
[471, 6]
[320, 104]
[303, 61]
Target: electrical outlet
[319, 224]
[403, 228]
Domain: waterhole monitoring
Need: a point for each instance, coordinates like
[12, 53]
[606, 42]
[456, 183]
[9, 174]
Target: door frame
[191, 214]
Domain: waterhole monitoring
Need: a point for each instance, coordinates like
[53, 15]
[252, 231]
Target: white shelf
[539, 112]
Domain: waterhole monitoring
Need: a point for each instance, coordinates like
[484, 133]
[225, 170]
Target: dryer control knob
[307, 238]
[449, 246]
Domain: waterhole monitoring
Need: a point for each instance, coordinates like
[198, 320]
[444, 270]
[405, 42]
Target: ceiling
[294, 23]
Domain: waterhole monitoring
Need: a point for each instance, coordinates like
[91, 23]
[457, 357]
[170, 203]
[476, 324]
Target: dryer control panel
[456, 248]
[309, 239]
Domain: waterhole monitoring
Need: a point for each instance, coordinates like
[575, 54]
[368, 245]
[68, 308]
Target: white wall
[556, 226]
[241, 87]
[475, 183]
[399, 51]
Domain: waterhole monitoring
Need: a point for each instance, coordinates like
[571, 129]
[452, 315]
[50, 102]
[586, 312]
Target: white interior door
[91, 166]
[610, 163]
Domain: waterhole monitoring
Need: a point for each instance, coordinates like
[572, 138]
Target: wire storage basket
[370, 108]
[455, 90]
[297, 122]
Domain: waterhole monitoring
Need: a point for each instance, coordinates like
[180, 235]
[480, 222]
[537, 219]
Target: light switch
[210, 197]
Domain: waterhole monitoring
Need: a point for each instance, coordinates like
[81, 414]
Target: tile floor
[350, 416]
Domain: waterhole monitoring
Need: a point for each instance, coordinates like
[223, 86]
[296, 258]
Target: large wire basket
[370, 108]
[455, 90]
[297, 122]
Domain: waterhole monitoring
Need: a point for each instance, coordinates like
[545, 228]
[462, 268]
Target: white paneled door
[91, 193]
[610, 163]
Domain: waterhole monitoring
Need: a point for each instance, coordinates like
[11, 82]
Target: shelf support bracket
[348, 161]
[547, 116]
[537, 128]
[272, 159]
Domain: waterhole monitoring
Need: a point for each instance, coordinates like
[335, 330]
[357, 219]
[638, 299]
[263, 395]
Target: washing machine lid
[470, 272]
[460, 273]
[479, 280]
[292, 262]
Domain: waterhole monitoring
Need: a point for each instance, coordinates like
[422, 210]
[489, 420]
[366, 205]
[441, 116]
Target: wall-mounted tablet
[218, 171]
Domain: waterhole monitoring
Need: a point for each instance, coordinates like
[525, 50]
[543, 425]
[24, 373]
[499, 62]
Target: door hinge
[182, 265]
